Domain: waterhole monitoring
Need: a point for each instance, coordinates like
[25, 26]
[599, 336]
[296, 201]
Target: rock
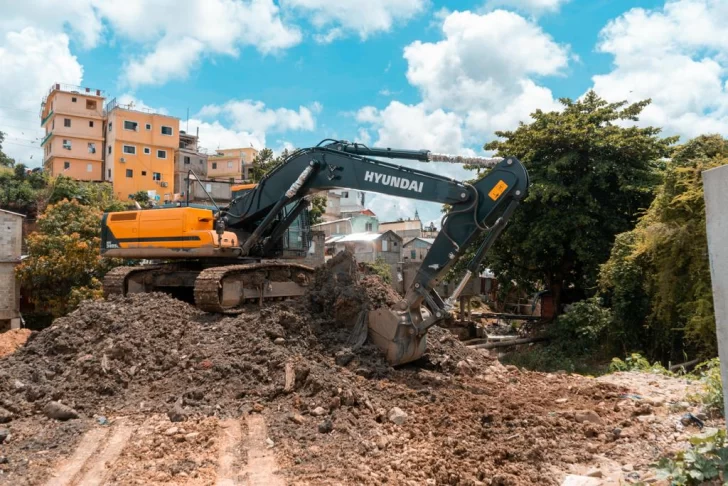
[177, 414]
[588, 416]
[192, 436]
[59, 411]
[382, 442]
[344, 357]
[4, 433]
[397, 416]
[335, 403]
[595, 473]
[101, 420]
[257, 407]
[18, 385]
[326, 426]
[464, 368]
[318, 411]
[296, 418]
[3, 460]
[269, 442]
[279, 340]
[561, 400]
[573, 480]
[592, 449]
[171, 431]
[5, 416]
[617, 432]
[628, 468]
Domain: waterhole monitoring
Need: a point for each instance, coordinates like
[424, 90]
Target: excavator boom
[252, 226]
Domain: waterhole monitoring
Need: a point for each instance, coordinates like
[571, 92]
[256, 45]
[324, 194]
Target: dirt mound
[12, 340]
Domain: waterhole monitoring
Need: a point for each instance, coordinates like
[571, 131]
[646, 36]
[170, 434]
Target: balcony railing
[44, 120]
[45, 139]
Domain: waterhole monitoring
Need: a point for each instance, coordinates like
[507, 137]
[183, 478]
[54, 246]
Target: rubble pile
[334, 409]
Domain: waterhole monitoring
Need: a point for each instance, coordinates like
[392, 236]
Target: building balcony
[48, 117]
[45, 139]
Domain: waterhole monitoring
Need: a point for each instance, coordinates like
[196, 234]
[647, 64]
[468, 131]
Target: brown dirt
[469, 419]
[12, 340]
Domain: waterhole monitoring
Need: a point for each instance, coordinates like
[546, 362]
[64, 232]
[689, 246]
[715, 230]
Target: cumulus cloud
[30, 62]
[335, 18]
[675, 55]
[253, 116]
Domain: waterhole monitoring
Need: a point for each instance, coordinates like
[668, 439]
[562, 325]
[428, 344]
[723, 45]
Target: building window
[214, 165]
[67, 122]
[130, 125]
[144, 172]
[208, 187]
[89, 168]
[92, 148]
[232, 179]
[148, 126]
[344, 195]
[161, 154]
[90, 104]
[166, 130]
[73, 100]
[230, 165]
[53, 124]
[110, 126]
[130, 172]
[368, 227]
[130, 149]
[147, 150]
[384, 245]
[91, 124]
[201, 161]
[108, 171]
[66, 144]
[156, 176]
[66, 165]
[413, 254]
[187, 160]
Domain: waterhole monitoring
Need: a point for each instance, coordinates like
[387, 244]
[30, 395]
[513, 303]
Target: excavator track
[115, 281]
[224, 289]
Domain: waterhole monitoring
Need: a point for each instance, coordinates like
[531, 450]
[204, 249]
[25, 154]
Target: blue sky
[409, 73]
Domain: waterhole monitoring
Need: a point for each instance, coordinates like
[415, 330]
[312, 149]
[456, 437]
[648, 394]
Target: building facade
[406, 228]
[11, 237]
[368, 247]
[140, 151]
[356, 223]
[187, 157]
[415, 250]
[72, 118]
[350, 200]
[232, 164]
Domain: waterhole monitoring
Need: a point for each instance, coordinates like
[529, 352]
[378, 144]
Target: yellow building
[73, 121]
[140, 151]
[231, 164]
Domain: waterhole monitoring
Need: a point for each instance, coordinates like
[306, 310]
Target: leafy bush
[583, 325]
[706, 460]
[712, 394]
[636, 362]
[381, 268]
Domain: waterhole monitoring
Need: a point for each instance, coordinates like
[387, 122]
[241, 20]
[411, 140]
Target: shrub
[706, 460]
[712, 394]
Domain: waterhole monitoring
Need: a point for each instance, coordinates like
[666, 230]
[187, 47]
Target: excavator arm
[483, 207]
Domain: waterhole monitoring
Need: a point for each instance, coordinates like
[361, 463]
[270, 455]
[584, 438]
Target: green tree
[64, 264]
[20, 191]
[657, 279]
[5, 161]
[264, 162]
[590, 177]
[317, 208]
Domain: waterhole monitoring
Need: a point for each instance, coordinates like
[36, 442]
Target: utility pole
[715, 184]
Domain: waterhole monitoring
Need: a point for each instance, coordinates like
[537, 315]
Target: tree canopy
[591, 176]
[5, 161]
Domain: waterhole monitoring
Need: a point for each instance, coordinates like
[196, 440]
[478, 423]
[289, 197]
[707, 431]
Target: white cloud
[338, 17]
[214, 135]
[481, 60]
[249, 115]
[30, 62]
[533, 7]
[675, 55]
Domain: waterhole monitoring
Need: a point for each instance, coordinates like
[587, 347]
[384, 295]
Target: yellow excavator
[251, 249]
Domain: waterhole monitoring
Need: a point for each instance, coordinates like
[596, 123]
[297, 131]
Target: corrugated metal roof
[330, 222]
[359, 237]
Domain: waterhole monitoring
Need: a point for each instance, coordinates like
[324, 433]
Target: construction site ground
[146, 389]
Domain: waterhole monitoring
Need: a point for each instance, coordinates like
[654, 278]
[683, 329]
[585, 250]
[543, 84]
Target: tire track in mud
[91, 462]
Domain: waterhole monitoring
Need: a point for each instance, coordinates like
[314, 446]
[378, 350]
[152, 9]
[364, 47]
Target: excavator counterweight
[247, 251]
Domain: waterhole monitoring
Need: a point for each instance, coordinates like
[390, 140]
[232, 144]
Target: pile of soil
[334, 410]
[12, 340]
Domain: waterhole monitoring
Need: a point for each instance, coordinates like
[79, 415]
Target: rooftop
[114, 104]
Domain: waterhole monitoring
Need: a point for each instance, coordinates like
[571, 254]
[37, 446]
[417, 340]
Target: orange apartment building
[140, 151]
[73, 121]
[231, 164]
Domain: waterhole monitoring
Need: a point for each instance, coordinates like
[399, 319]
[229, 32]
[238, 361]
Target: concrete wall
[11, 236]
[716, 201]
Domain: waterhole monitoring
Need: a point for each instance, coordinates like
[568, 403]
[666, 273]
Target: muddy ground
[177, 386]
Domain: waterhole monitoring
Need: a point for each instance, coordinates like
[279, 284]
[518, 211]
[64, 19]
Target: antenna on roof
[188, 119]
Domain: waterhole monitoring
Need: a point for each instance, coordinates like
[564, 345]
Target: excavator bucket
[392, 332]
